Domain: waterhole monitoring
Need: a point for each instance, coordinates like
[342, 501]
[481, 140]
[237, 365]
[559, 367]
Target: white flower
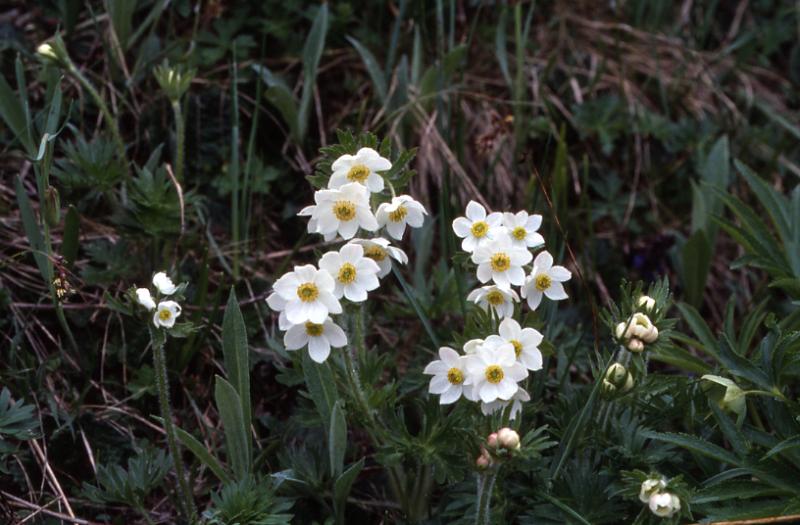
[401, 211]
[343, 211]
[500, 261]
[617, 377]
[664, 504]
[278, 303]
[636, 331]
[449, 374]
[651, 486]
[309, 211]
[353, 273]
[521, 396]
[45, 50]
[471, 346]
[646, 302]
[360, 168]
[492, 296]
[144, 298]
[524, 340]
[164, 284]
[494, 373]
[380, 250]
[522, 229]
[319, 338]
[476, 228]
[734, 397]
[166, 313]
[308, 293]
[545, 279]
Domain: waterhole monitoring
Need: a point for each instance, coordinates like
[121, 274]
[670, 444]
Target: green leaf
[13, 113]
[312, 51]
[32, 232]
[237, 354]
[321, 386]
[700, 329]
[786, 444]
[696, 261]
[694, 444]
[69, 243]
[202, 453]
[438, 75]
[680, 358]
[237, 439]
[337, 439]
[342, 485]
[373, 68]
[279, 95]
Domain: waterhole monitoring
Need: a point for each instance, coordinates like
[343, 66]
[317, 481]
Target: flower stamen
[347, 273]
[494, 374]
[314, 329]
[399, 214]
[495, 298]
[543, 282]
[517, 347]
[375, 252]
[500, 262]
[455, 376]
[479, 229]
[519, 233]
[307, 292]
[358, 173]
[344, 210]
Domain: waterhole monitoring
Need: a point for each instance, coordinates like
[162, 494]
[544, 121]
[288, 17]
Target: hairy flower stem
[180, 139]
[162, 384]
[486, 481]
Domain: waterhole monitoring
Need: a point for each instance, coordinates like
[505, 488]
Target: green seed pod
[52, 207]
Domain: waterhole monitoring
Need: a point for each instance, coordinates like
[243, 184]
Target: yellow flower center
[517, 347]
[495, 298]
[500, 262]
[164, 315]
[455, 376]
[375, 252]
[307, 292]
[479, 229]
[347, 273]
[358, 173]
[314, 329]
[344, 210]
[494, 374]
[543, 282]
[399, 214]
[519, 233]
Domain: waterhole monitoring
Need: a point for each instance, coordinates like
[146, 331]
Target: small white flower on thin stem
[449, 373]
[502, 301]
[494, 373]
[476, 228]
[318, 337]
[521, 396]
[343, 211]
[525, 341]
[401, 211]
[522, 229]
[361, 168]
[664, 504]
[498, 260]
[545, 279]
[381, 251]
[308, 294]
[144, 298]
[166, 313]
[354, 274]
[164, 284]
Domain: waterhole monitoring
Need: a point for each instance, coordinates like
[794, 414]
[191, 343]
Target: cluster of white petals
[637, 331]
[662, 503]
[165, 312]
[308, 296]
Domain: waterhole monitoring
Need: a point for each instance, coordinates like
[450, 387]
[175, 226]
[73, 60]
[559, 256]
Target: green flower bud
[52, 207]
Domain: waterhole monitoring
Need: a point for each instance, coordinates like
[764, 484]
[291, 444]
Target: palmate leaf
[17, 419]
[146, 471]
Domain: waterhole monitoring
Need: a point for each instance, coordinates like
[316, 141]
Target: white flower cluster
[165, 311]
[307, 296]
[638, 330]
[662, 503]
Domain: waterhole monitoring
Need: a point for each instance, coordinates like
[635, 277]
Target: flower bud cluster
[617, 378]
[637, 331]
[499, 445]
[662, 503]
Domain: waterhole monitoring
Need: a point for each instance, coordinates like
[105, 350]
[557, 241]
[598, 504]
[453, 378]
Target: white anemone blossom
[144, 298]
[471, 346]
[278, 304]
[166, 313]
[651, 486]
[353, 273]
[164, 284]
[343, 211]
[361, 168]
[525, 341]
[319, 337]
[523, 229]
[500, 261]
[449, 374]
[477, 228]
[494, 372]
[521, 396]
[401, 211]
[664, 504]
[502, 301]
[308, 211]
[545, 279]
[308, 295]
[382, 252]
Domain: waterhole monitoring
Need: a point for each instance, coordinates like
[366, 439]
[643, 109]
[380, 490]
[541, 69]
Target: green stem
[180, 139]
[160, 365]
[486, 481]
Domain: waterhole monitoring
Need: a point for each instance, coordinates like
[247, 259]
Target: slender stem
[180, 138]
[160, 365]
[486, 481]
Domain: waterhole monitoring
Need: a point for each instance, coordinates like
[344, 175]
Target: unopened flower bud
[617, 377]
[608, 387]
[508, 439]
[664, 504]
[619, 331]
[46, 51]
[483, 461]
[492, 440]
[650, 487]
[733, 398]
[646, 302]
[635, 345]
[52, 207]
